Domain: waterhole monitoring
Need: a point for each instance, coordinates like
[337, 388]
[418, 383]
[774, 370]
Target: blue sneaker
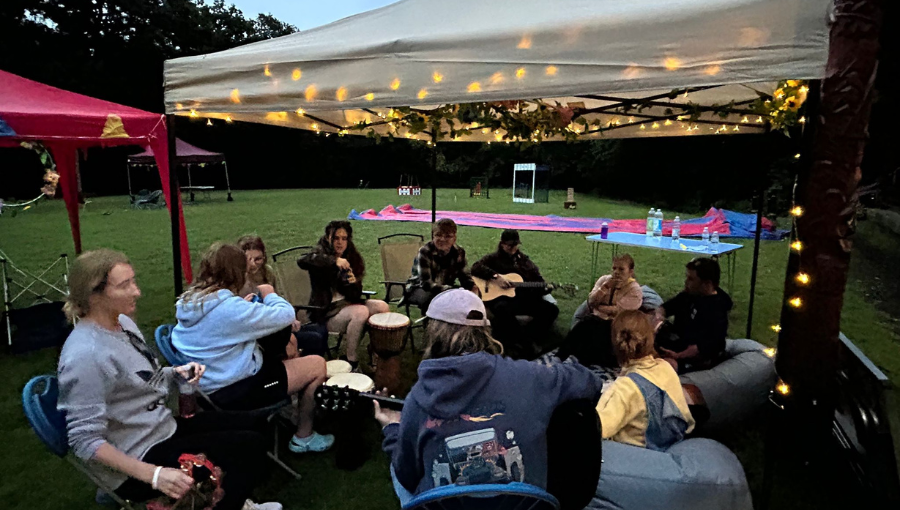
[315, 442]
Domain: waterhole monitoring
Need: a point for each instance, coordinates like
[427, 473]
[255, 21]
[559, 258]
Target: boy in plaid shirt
[438, 265]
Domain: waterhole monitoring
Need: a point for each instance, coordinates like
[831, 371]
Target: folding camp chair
[398, 252]
[509, 496]
[148, 200]
[32, 304]
[39, 403]
[163, 338]
[294, 286]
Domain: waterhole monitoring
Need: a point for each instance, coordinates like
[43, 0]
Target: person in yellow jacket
[645, 406]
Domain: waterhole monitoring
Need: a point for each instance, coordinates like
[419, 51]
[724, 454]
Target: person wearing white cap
[471, 401]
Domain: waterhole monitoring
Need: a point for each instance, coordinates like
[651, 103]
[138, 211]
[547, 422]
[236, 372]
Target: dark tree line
[115, 49]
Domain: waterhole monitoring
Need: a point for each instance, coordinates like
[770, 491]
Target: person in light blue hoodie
[242, 344]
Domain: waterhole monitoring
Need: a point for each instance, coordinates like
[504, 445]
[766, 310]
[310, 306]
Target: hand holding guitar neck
[385, 416]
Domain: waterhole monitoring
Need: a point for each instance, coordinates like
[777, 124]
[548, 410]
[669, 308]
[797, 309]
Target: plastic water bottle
[715, 241]
[705, 237]
[676, 229]
[651, 222]
[659, 223]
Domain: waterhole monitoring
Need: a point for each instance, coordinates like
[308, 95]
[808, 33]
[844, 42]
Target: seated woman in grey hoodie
[469, 400]
[219, 328]
[113, 393]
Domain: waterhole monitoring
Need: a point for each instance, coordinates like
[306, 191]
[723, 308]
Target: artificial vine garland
[528, 122]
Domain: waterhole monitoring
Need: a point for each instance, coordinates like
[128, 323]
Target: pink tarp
[726, 223]
[66, 122]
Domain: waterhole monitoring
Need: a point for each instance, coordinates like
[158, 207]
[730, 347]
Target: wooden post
[826, 191]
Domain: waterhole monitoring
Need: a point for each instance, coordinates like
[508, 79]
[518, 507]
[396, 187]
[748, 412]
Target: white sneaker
[250, 505]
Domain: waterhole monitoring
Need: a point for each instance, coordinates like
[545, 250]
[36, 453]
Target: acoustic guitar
[342, 398]
[491, 290]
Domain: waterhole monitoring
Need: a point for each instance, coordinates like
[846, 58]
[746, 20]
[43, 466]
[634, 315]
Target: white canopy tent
[585, 53]
[636, 66]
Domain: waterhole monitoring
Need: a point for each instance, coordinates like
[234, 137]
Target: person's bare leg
[352, 320]
[304, 376]
[291, 350]
[377, 306]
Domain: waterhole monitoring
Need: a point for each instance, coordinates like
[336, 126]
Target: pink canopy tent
[185, 154]
[66, 122]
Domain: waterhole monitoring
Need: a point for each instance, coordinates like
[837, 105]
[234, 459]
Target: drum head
[337, 366]
[388, 320]
[358, 382]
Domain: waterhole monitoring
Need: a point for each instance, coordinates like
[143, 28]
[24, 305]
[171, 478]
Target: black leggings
[506, 328]
[232, 442]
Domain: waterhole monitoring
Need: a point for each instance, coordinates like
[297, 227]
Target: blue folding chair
[510, 496]
[39, 402]
[163, 338]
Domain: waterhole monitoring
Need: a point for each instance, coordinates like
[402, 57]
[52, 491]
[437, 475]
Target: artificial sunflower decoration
[783, 107]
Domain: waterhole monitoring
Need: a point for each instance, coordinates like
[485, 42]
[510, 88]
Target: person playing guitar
[509, 258]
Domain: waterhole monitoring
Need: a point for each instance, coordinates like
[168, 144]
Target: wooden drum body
[386, 333]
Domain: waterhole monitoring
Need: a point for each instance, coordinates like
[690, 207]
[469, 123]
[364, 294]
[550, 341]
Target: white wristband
[155, 477]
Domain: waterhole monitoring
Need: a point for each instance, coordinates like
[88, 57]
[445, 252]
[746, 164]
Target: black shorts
[267, 387]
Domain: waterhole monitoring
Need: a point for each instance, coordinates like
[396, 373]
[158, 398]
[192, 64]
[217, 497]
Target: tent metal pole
[190, 183]
[128, 173]
[433, 177]
[227, 181]
[760, 204]
[174, 212]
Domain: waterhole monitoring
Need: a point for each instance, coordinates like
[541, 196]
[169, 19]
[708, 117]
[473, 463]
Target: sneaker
[315, 442]
[250, 505]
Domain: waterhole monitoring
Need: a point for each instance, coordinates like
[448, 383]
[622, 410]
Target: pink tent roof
[66, 122]
[41, 112]
[184, 153]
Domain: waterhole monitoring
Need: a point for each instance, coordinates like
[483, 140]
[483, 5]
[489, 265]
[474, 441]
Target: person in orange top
[590, 338]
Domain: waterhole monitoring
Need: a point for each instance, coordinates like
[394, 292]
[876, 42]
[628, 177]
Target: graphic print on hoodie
[484, 455]
[481, 418]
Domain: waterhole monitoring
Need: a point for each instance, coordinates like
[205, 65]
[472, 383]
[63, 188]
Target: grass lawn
[31, 478]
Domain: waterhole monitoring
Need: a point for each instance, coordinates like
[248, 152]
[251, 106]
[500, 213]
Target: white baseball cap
[458, 306]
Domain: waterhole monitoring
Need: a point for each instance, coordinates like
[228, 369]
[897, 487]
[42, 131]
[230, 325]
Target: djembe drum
[386, 332]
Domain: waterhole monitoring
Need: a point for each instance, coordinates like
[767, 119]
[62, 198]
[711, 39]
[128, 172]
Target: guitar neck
[527, 285]
[389, 402]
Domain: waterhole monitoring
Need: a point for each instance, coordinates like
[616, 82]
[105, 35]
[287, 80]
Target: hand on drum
[385, 416]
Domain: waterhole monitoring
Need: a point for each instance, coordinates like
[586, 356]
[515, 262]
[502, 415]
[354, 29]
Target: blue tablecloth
[665, 243]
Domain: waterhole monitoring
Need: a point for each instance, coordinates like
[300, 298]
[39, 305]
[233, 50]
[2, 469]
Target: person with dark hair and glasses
[695, 340]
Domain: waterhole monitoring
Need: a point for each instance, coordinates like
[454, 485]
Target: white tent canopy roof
[422, 53]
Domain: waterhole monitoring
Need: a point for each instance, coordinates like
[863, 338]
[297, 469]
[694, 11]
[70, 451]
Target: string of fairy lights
[800, 277]
[391, 117]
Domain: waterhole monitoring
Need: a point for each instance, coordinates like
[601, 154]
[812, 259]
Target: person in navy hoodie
[474, 416]
[242, 344]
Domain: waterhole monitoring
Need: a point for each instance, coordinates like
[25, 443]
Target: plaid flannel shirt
[434, 270]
